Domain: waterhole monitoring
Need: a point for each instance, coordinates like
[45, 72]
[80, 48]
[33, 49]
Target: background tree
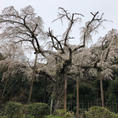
[14, 73]
[103, 59]
[23, 26]
[107, 59]
[11, 53]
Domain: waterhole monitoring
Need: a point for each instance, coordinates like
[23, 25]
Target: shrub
[99, 112]
[60, 112]
[63, 113]
[29, 116]
[2, 110]
[3, 117]
[13, 110]
[37, 109]
[69, 115]
[53, 116]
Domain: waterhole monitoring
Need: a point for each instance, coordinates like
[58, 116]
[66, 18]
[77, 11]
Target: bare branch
[35, 28]
[67, 33]
[64, 13]
[23, 40]
[58, 42]
[89, 29]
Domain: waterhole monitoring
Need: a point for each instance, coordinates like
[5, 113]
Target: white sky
[48, 9]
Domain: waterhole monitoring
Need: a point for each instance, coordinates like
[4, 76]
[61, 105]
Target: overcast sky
[48, 9]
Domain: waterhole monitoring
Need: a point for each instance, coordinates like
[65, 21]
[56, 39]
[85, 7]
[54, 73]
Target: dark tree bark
[65, 92]
[102, 92]
[5, 86]
[77, 106]
[51, 105]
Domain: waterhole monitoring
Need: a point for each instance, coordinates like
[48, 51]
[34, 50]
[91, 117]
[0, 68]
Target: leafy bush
[37, 110]
[63, 113]
[2, 110]
[3, 117]
[69, 115]
[60, 112]
[29, 116]
[53, 116]
[99, 112]
[13, 110]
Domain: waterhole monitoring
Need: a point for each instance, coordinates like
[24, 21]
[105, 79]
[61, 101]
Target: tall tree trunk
[33, 78]
[51, 105]
[30, 92]
[77, 106]
[65, 92]
[5, 86]
[102, 92]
